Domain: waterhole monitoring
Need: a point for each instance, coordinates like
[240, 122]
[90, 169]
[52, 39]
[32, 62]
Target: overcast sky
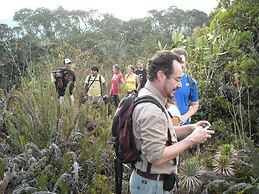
[123, 9]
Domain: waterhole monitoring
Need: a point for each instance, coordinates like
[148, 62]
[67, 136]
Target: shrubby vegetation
[45, 147]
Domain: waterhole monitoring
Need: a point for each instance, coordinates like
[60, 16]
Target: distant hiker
[65, 77]
[141, 73]
[154, 134]
[187, 98]
[117, 80]
[132, 81]
[95, 87]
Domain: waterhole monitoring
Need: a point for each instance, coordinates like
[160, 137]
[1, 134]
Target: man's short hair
[163, 61]
[180, 51]
[139, 61]
[94, 68]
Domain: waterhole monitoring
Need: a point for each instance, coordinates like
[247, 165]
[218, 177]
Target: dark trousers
[116, 100]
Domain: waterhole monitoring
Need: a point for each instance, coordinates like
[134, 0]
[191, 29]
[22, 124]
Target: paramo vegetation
[47, 148]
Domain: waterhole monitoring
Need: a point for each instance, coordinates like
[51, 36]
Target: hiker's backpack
[192, 83]
[60, 81]
[64, 78]
[122, 129]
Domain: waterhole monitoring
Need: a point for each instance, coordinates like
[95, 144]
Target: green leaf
[42, 182]
[3, 164]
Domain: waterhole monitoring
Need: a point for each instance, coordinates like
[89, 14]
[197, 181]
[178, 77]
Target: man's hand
[200, 133]
[110, 93]
[183, 119]
[85, 97]
[74, 92]
[201, 124]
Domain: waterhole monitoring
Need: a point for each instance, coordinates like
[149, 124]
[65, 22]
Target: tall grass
[71, 139]
[33, 114]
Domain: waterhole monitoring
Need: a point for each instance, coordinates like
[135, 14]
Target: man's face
[67, 65]
[171, 84]
[94, 73]
[184, 62]
[140, 65]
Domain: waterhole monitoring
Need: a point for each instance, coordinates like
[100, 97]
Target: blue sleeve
[194, 96]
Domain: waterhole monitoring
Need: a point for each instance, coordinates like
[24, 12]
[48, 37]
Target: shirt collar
[155, 93]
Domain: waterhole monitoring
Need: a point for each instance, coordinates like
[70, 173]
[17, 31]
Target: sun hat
[67, 61]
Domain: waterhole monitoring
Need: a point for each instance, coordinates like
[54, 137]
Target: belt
[160, 177]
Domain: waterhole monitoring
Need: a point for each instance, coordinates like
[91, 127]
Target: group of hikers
[95, 87]
[182, 104]
[164, 80]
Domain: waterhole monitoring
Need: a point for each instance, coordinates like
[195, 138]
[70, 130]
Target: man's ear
[160, 75]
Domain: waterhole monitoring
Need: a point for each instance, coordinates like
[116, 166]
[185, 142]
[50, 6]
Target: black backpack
[122, 129]
[60, 81]
[192, 83]
[63, 79]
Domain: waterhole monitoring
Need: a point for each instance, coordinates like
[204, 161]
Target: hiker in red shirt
[117, 80]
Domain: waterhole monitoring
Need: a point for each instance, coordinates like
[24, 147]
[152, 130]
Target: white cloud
[123, 9]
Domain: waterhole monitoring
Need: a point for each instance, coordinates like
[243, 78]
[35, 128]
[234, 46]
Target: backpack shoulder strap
[100, 81]
[191, 82]
[154, 101]
[147, 98]
[89, 78]
[89, 86]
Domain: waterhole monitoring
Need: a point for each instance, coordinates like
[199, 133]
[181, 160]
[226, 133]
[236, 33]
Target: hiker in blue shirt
[187, 98]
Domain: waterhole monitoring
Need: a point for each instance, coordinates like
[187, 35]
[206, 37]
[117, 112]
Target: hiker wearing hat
[65, 77]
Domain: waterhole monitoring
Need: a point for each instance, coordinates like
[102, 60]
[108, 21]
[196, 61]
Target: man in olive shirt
[95, 87]
[150, 127]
